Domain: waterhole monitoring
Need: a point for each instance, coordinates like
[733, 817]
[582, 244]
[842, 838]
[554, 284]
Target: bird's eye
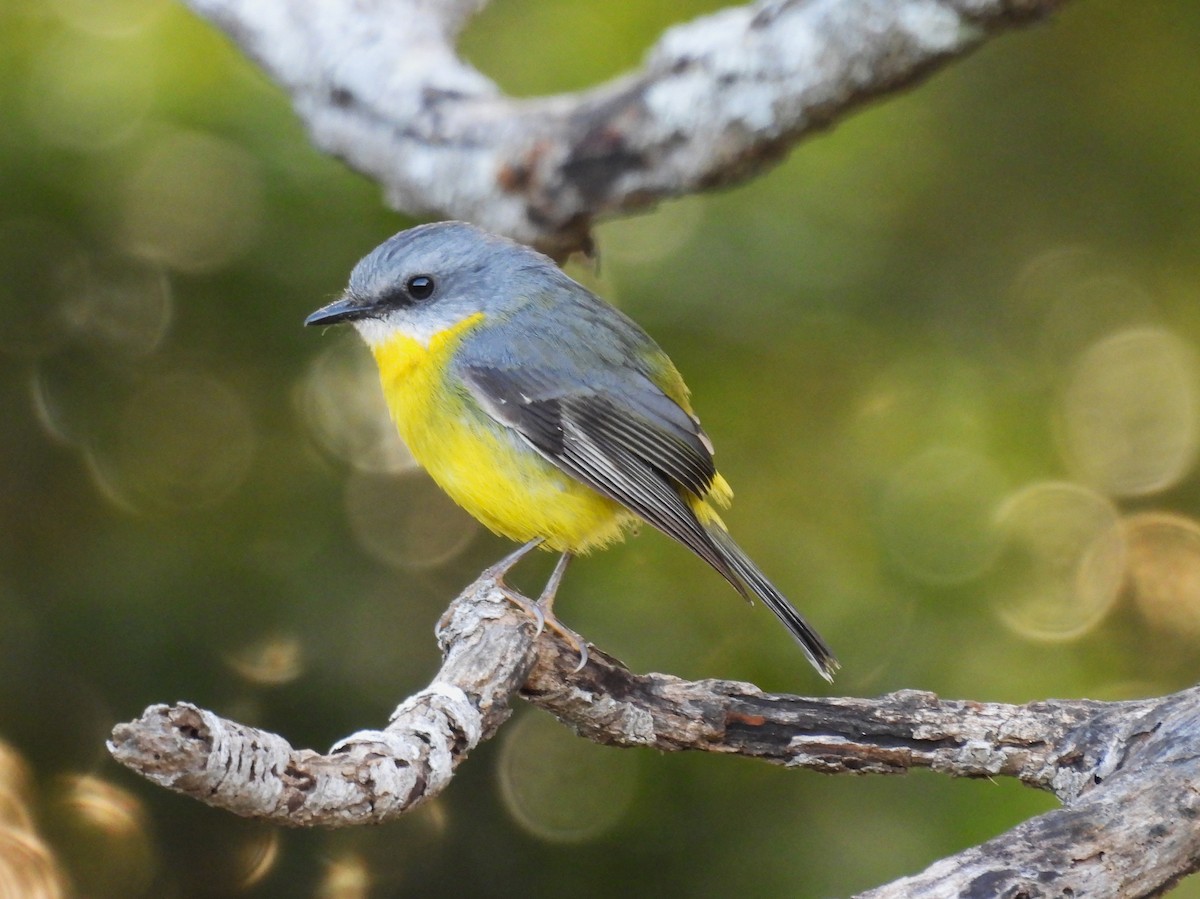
[420, 287]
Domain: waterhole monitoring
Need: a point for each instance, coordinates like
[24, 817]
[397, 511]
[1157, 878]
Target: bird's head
[429, 278]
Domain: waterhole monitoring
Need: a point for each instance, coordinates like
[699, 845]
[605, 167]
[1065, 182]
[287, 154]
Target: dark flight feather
[606, 423]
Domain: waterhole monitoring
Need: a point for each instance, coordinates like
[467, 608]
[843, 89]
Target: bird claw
[526, 605]
[577, 642]
[541, 611]
[545, 619]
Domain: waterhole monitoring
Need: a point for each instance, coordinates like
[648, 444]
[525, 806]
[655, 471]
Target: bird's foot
[577, 642]
[526, 605]
[545, 605]
[496, 573]
[542, 611]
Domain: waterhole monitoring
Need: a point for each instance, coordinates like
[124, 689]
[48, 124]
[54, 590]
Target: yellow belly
[483, 466]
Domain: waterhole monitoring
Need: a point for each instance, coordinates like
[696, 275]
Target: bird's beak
[345, 308]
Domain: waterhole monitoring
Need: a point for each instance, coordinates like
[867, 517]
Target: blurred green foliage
[901, 340]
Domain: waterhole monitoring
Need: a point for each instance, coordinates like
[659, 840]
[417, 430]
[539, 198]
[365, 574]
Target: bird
[541, 409]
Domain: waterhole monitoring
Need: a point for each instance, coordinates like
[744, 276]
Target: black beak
[344, 309]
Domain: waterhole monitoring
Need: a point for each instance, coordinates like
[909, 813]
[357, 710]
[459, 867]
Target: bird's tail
[751, 582]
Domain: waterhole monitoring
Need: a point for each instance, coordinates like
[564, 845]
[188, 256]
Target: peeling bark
[1127, 773]
[716, 101]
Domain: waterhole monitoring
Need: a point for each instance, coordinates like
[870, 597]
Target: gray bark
[1127, 773]
[717, 100]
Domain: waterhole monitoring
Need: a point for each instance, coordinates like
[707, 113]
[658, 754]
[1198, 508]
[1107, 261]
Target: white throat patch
[420, 326]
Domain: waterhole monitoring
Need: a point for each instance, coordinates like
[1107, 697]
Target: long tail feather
[754, 582]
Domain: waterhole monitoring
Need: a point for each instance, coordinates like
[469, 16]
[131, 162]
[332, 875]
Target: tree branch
[379, 84]
[370, 776]
[717, 100]
[1128, 772]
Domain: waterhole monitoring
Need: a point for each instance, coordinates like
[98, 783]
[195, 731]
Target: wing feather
[609, 443]
[613, 415]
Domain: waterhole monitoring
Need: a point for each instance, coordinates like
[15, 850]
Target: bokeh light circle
[342, 404]
[272, 661]
[1063, 562]
[255, 859]
[28, 869]
[106, 835]
[185, 441]
[1164, 570]
[16, 790]
[192, 202]
[119, 305]
[405, 520]
[37, 262]
[347, 876]
[1129, 416]
[85, 95]
[1057, 283]
[560, 787]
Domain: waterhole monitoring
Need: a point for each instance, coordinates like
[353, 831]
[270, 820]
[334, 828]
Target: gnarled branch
[379, 84]
[1128, 773]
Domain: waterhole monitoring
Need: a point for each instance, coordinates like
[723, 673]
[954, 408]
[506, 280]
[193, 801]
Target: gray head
[429, 278]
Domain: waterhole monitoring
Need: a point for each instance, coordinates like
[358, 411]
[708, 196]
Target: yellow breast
[482, 465]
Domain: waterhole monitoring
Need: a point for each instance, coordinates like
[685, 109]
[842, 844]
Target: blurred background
[947, 353]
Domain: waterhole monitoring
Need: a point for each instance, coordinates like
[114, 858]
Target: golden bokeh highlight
[271, 662]
[341, 403]
[559, 787]
[28, 866]
[405, 520]
[936, 515]
[255, 859]
[1164, 570]
[919, 402]
[104, 833]
[192, 202]
[28, 869]
[16, 790]
[1051, 289]
[435, 817]
[347, 876]
[185, 441]
[1129, 413]
[1063, 562]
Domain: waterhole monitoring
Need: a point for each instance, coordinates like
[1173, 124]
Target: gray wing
[578, 390]
[612, 442]
[582, 401]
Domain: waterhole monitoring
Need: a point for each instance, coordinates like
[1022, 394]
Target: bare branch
[370, 776]
[1134, 833]
[379, 84]
[1063, 746]
[1127, 772]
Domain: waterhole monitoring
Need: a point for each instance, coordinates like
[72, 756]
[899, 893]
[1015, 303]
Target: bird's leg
[546, 604]
[496, 574]
[504, 566]
[541, 611]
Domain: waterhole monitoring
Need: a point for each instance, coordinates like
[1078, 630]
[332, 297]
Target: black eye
[420, 287]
